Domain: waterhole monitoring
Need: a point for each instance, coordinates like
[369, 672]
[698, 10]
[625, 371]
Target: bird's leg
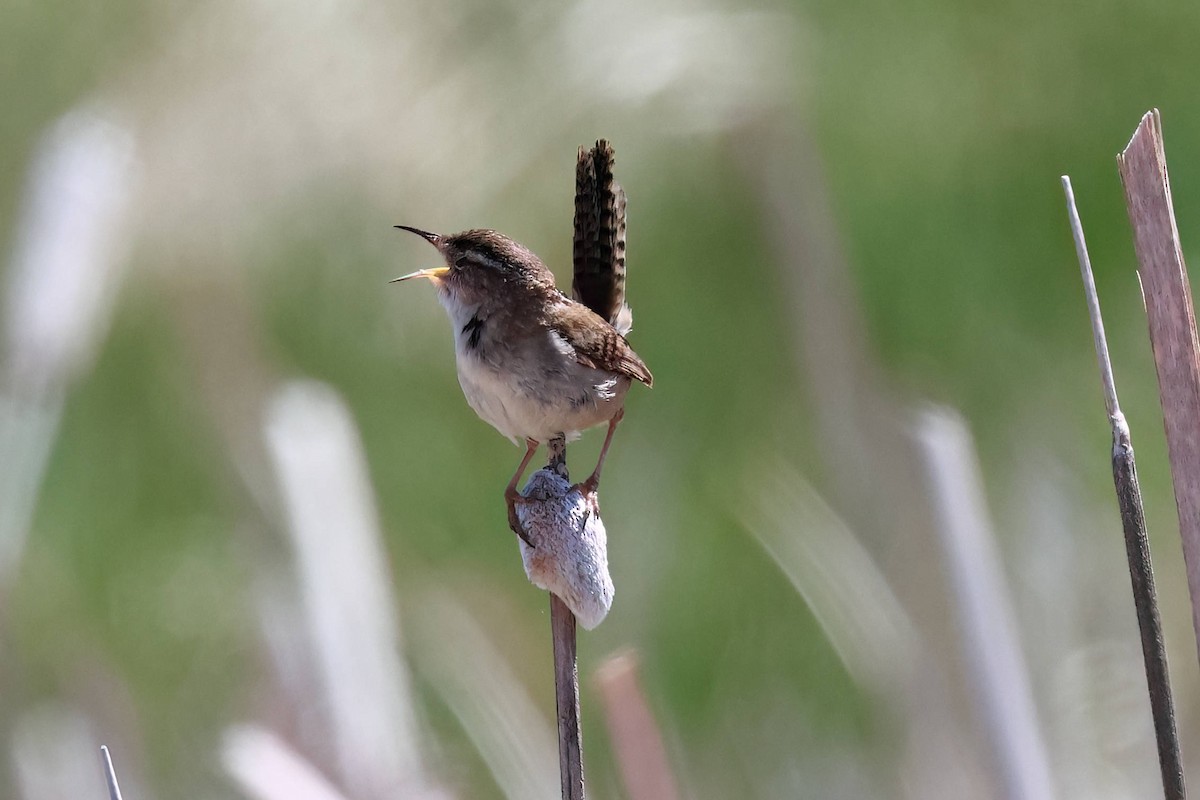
[510, 491]
[512, 496]
[589, 486]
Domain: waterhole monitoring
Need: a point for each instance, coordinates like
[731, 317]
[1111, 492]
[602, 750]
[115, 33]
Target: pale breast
[528, 386]
[536, 391]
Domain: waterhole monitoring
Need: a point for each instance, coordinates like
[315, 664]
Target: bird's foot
[511, 499]
[589, 486]
[588, 489]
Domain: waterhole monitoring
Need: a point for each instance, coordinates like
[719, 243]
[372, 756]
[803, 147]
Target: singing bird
[532, 362]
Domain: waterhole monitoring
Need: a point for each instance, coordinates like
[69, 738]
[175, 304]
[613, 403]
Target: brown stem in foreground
[1154, 651]
[566, 669]
[566, 686]
[1172, 322]
[637, 741]
[1137, 545]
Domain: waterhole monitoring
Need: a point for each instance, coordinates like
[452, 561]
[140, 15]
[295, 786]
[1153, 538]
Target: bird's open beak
[435, 274]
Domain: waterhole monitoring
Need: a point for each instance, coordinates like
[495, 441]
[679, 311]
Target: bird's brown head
[480, 261]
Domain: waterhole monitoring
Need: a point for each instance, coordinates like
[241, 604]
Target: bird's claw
[589, 489]
[514, 522]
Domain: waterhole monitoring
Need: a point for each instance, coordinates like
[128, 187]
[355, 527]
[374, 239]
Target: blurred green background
[838, 213]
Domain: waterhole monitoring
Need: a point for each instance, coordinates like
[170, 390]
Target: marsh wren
[532, 362]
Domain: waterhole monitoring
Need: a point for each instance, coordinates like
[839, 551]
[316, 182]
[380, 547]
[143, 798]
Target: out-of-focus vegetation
[262, 153]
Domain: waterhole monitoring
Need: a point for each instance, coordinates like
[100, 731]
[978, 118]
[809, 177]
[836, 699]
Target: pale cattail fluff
[52, 754]
[266, 768]
[71, 240]
[995, 663]
[570, 556]
[345, 590]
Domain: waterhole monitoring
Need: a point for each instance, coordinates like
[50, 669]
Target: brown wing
[597, 344]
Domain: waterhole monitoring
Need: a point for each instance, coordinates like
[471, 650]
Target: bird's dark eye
[461, 262]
